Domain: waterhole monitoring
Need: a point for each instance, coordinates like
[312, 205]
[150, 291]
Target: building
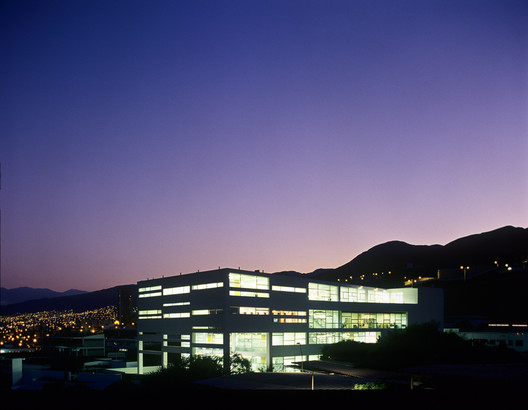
[91, 345]
[272, 319]
[498, 335]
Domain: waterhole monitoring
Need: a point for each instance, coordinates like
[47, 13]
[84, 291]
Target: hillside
[491, 289]
[78, 302]
[23, 294]
[406, 261]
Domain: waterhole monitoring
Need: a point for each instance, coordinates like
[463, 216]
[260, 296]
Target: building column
[164, 353]
[140, 356]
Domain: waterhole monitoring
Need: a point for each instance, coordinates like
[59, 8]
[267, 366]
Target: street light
[302, 365]
[302, 359]
[465, 271]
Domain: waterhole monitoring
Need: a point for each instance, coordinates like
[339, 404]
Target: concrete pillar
[164, 353]
[16, 373]
[140, 356]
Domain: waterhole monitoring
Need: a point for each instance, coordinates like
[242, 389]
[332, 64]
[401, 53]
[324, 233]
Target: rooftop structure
[274, 320]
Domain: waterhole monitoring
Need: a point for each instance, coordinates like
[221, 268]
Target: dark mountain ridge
[77, 303]
[385, 265]
[24, 293]
[504, 245]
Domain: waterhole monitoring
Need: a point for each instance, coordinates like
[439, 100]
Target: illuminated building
[273, 320]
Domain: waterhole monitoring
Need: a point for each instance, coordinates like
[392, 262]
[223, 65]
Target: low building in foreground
[272, 319]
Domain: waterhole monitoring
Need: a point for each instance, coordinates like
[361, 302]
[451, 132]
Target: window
[149, 314]
[363, 337]
[289, 316]
[179, 315]
[239, 280]
[253, 310]
[248, 294]
[288, 338]
[348, 294]
[319, 291]
[353, 320]
[407, 295]
[149, 289]
[373, 295]
[204, 286]
[396, 297]
[323, 319]
[150, 295]
[177, 291]
[289, 312]
[252, 343]
[201, 312]
[378, 296]
[323, 338]
[288, 289]
[208, 351]
[208, 338]
[176, 304]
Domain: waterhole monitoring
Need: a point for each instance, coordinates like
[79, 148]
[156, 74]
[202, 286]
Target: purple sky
[147, 138]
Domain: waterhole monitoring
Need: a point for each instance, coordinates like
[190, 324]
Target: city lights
[27, 330]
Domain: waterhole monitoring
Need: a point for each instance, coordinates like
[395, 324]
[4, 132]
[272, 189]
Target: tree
[190, 369]
[419, 344]
[239, 364]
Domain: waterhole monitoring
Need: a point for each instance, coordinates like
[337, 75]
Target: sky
[142, 139]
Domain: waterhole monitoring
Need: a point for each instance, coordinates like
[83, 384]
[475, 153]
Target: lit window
[253, 311]
[248, 294]
[149, 314]
[288, 338]
[321, 338]
[177, 290]
[289, 316]
[204, 286]
[288, 289]
[322, 292]
[208, 351]
[150, 295]
[179, 315]
[239, 280]
[206, 312]
[208, 338]
[149, 289]
[323, 319]
[176, 304]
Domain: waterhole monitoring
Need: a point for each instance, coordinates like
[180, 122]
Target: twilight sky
[148, 138]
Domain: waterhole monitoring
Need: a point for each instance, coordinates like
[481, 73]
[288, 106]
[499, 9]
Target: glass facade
[252, 346]
[323, 319]
[240, 280]
[322, 292]
[352, 320]
[288, 338]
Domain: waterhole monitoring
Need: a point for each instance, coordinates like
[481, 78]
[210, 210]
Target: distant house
[503, 335]
[76, 346]
[273, 320]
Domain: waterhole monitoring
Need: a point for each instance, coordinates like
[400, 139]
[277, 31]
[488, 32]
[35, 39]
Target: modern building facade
[273, 320]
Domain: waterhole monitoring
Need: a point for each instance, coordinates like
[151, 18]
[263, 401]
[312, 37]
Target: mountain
[23, 294]
[491, 290]
[481, 251]
[78, 302]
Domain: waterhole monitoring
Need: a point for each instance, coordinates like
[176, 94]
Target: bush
[346, 351]
[190, 369]
[419, 344]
